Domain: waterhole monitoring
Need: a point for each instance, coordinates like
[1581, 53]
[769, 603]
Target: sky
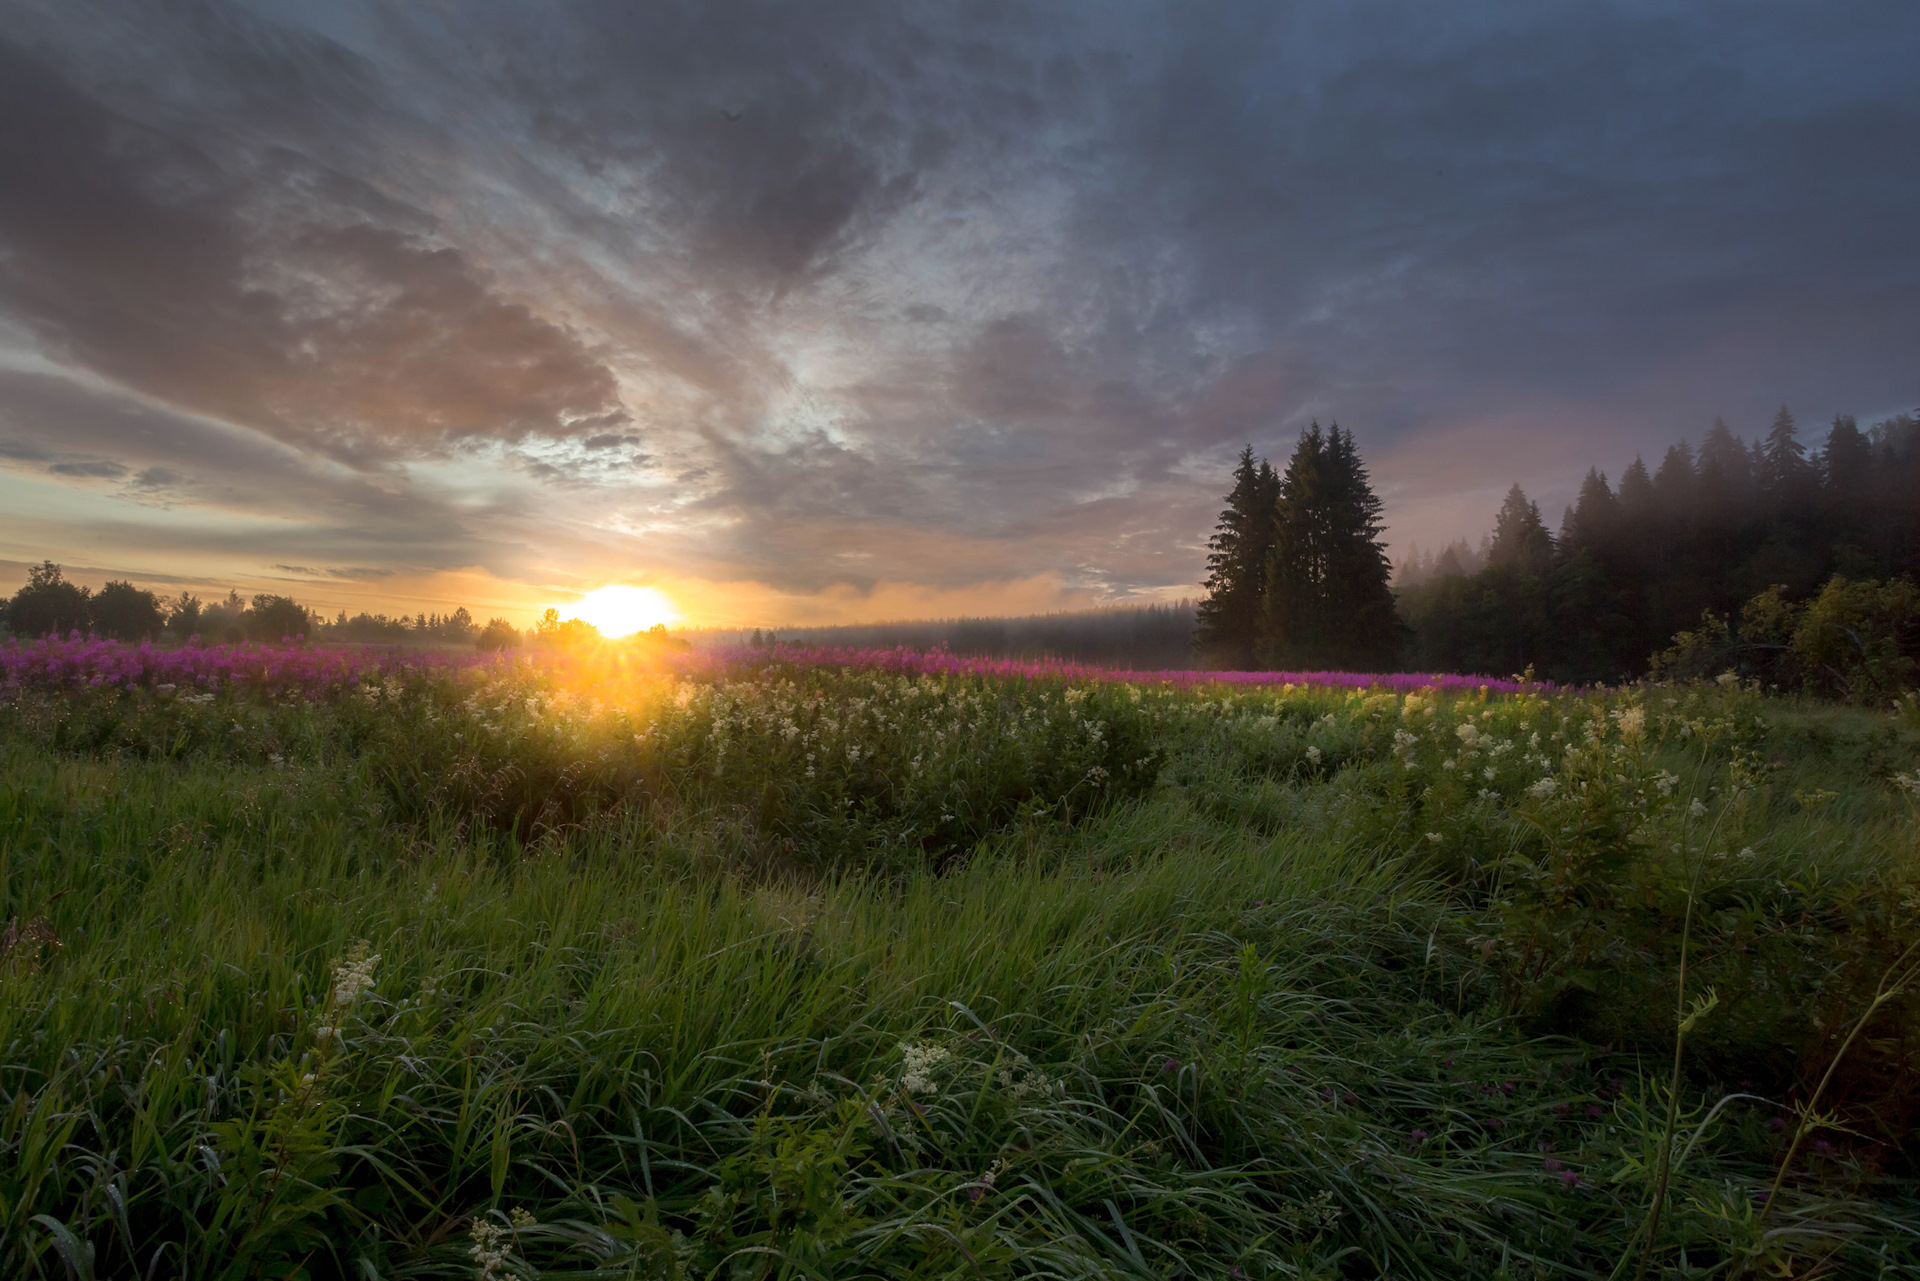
[842, 311]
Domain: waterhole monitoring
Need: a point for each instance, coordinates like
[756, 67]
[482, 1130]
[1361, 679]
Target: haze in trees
[1707, 530]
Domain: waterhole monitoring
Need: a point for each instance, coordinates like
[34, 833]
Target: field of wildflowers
[813, 963]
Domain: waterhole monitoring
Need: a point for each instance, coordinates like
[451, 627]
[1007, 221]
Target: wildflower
[1569, 1178]
[1469, 735]
[1313, 754]
[1632, 721]
[353, 975]
[1697, 809]
[1419, 1137]
[1435, 837]
[920, 1060]
[489, 1251]
[1171, 1065]
[1727, 680]
[1543, 789]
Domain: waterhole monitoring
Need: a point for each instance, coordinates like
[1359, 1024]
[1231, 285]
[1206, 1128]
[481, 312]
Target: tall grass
[633, 1015]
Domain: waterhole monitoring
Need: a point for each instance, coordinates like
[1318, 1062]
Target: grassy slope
[1251, 1018]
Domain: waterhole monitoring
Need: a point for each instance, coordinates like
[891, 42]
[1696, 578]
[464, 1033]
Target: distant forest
[1635, 564]
[1143, 637]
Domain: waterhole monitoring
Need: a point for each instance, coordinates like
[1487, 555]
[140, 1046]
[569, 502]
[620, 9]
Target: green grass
[1227, 1006]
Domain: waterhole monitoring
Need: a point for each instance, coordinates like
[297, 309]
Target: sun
[622, 611]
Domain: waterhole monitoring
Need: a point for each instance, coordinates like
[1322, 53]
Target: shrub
[1855, 641]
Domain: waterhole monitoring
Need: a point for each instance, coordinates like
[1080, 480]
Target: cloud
[846, 295]
[260, 289]
[101, 469]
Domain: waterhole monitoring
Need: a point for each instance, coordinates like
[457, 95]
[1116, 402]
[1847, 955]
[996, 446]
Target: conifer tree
[1593, 523]
[1228, 619]
[1786, 477]
[1520, 538]
[1328, 600]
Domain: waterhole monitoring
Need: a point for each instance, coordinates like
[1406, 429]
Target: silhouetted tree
[127, 613]
[49, 604]
[1520, 539]
[1229, 616]
[1328, 599]
[277, 618]
[184, 618]
[498, 634]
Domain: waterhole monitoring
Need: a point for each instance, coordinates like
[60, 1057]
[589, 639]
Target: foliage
[498, 634]
[127, 613]
[1859, 642]
[673, 969]
[49, 605]
[277, 618]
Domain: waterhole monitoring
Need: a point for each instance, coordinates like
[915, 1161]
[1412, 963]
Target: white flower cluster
[1908, 783]
[490, 1249]
[352, 976]
[1029, 1082]
[919, 1061]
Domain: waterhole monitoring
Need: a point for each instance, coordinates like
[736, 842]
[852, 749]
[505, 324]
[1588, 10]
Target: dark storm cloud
[951, 293]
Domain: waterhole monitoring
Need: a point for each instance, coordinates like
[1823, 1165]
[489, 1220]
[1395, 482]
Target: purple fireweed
[79, 661]
[939, 662]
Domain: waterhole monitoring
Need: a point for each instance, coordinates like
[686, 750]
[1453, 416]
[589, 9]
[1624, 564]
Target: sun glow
[622, 611]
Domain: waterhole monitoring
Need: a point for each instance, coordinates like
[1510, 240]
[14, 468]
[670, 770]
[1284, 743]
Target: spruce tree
[1362, 631]
[1593, 523]
[1228, 619]
[1786, 477]
[1520, 537]
[1329, 602]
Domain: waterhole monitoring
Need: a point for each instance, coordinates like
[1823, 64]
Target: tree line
[1297, 576]
[52, 604]
[1705, 533]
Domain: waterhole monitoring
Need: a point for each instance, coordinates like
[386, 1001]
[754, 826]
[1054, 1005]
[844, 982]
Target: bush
[1855, 641]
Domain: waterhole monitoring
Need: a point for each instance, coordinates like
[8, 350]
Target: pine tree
[1328, 600]
[1362, 631]
[1593, 523]
[1228, 619]
[1725, 476]
[1520, 538]
[1786, 477]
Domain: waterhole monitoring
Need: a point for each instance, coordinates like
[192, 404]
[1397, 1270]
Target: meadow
[823, 964]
